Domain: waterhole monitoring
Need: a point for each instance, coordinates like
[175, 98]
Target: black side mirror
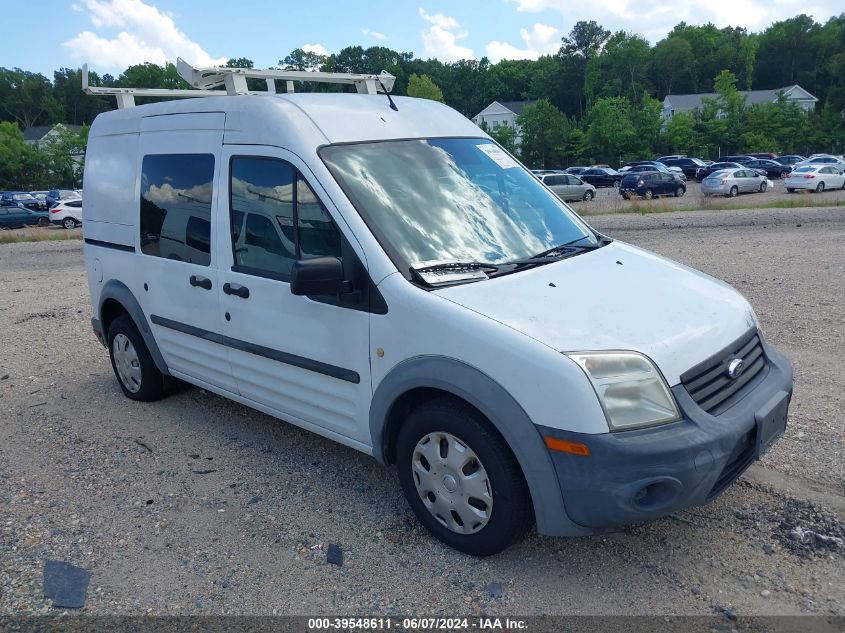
[318, 276]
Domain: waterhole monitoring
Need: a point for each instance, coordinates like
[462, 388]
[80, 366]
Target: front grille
[709, 384]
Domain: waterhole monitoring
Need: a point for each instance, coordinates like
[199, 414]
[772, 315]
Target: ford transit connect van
[392, 279]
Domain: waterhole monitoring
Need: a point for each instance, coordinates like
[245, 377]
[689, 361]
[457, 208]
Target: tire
[133, 366]
[588, 195]
[69, 223]
[625, 196]
[679, 192]
[43, 222]
[447, 425]
[789, 190]
[734, 192]
[763, 187]
[820, 188]
[649, 194]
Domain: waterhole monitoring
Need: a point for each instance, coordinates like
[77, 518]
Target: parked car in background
[714, 167]
[732, 182]
[663, 159]
[790, 159]
[815, 178]
[569, 187]
[654, 165]
[740, 158]
[651, 184]
[575, 170]
[67, 213]
[601, 177]
[766, 155]
[689, 166]
[40, 195]
[772, 168]
[57, 195]
[822, 160]
[675, 171]
[17, 216]
[22, 198]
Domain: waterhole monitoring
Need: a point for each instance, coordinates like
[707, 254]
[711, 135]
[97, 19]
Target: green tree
[22, 96]
[584, 42]
[239, 62]
[505, 136]
[724, 115]
[63, 158]
[423, 87]
[16, 157]
[609, 129]
[680, 135]
[543, 129]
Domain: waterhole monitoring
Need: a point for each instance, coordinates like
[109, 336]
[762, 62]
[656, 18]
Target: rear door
[180, 161]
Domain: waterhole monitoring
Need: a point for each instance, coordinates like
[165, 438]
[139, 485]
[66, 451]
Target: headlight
[631, 390]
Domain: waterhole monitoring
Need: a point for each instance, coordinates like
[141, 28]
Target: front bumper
[634, 476]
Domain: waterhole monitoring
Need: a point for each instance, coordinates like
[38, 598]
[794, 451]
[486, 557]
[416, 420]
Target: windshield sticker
[498, 155]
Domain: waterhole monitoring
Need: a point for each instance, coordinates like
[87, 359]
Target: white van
[394, 280]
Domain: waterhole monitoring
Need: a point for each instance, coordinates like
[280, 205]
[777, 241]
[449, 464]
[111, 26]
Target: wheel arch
[418, 379]
[116, 299]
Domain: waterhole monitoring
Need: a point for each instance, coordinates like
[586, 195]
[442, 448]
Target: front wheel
[820, 187]
[763, 186]
[69, 223]
[649, 194]
[136, 372]
[461, 479]
[588, 195]
[734, 192]
[790, 190]
[679, 192]
[43, 222]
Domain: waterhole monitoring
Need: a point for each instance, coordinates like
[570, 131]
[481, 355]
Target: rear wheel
[136, 372]
[649, 194]
[790, 190]
[461, 479]
[820, 187]
[588, 195]
[69, 223]
[734, 192]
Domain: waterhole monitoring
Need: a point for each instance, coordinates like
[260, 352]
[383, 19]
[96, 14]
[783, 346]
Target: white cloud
[374, 34]
[440, 40]
[146, 34]
[319, 49]
[655, 18]
[541, 40]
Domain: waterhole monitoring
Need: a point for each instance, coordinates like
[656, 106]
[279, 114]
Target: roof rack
[207, 81]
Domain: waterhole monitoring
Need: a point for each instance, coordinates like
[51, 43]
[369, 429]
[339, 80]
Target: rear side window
[175, 220]
[282, 218]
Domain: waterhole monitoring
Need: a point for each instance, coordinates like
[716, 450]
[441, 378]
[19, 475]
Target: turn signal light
[565, 446]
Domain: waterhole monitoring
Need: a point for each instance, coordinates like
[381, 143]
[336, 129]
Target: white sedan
[815, 178]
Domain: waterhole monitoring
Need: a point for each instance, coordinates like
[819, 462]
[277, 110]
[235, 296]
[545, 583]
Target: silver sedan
[569, 187]
[732, 182]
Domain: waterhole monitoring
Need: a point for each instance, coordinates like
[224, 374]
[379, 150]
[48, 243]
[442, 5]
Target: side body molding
[495, 403]
[118, 291]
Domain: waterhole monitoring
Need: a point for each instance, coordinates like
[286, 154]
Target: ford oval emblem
[735, 368]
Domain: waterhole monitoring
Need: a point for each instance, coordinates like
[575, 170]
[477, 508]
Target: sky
[110, 35]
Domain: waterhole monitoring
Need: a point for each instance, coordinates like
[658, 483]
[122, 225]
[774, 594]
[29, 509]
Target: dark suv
[22, 199]
[688, 165]
[651, 184]
[772, 168]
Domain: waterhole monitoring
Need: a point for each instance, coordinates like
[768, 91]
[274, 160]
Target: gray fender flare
[118, 291]
[499, 407]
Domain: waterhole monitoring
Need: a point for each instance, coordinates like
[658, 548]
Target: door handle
[237, 290]
[202, 282]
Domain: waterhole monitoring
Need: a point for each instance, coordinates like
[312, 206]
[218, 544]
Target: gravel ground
[198, 505]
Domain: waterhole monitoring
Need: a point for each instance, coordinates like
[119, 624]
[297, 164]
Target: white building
[672, 104]
[502, 113]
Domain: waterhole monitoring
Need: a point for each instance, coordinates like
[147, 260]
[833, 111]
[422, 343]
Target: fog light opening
[656, 495]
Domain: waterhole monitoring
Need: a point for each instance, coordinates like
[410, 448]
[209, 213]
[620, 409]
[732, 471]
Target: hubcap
[126, 363]
[452, 482]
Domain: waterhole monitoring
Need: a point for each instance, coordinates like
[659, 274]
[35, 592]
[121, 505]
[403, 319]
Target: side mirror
[318, 276]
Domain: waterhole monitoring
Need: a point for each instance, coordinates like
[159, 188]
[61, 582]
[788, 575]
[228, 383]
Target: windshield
[465, 199]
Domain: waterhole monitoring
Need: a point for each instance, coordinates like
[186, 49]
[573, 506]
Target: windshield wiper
[452, 271]
[554, 254]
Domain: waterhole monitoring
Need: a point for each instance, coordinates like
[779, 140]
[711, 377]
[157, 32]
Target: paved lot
[199, 505]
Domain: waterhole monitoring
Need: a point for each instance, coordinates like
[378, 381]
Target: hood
[618, 297]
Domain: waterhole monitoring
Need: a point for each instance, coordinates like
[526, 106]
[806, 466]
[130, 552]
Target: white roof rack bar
[235, 82]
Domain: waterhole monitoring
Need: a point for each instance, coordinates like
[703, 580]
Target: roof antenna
[387, 94]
